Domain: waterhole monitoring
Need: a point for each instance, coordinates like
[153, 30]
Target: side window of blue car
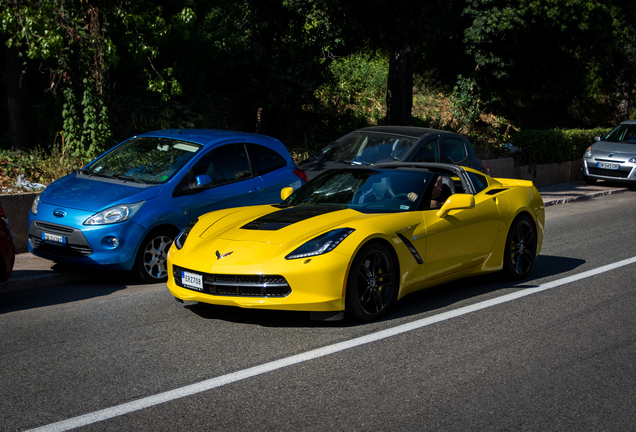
[225, 164]
[265, 160]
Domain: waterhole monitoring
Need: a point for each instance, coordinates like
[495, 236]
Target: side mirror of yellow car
[457, 202]
[286, 192]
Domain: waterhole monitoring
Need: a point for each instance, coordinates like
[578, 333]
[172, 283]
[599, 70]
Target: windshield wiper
[128, 178]
[114, 176]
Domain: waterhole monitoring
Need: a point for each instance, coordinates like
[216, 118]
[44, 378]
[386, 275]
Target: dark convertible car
[381, 144]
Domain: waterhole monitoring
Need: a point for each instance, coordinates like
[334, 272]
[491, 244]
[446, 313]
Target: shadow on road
[442, 296]
[101, 285]
[425, 301]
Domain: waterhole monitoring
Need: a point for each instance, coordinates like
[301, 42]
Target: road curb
[555, 198]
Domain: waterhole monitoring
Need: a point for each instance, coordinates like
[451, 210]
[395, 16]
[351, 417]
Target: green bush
[37, 166]
[357, 84]
[553, 145]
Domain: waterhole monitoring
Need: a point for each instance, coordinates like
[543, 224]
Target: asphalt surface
[30, 272]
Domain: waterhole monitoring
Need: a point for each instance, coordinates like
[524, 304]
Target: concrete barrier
[17, 206]
[541, 175]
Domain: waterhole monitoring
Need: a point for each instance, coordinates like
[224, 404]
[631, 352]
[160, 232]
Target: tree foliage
[80, 43]
[306, 70]
[544, 62]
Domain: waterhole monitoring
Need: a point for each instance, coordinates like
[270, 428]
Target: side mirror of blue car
[203, 180]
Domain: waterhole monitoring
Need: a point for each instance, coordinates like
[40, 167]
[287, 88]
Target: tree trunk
[623, 96]
[21, 134]
[399, 95]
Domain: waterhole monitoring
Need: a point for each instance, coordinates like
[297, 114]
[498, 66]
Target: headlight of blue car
[321, 245]
[36, 202]
[115, 214]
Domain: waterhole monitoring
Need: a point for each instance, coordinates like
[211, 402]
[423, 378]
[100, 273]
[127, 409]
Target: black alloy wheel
[521, 247]
[372, 283]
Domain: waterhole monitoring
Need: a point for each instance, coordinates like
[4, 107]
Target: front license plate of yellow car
[53, 238]
[192, 280]
[607, 165]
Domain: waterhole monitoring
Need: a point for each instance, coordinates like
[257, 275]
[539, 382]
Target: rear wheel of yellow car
[372, 283]
[521, 247]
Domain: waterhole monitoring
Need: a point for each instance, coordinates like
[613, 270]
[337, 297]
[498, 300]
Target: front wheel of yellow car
[372, 283]
[521, 247]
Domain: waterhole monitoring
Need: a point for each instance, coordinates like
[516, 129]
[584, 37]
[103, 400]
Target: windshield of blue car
[366, 148]
[365, 190]
[143, 160]
[622, 133]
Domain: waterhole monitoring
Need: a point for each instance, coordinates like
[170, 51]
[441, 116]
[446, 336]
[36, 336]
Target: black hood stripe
[286, 217]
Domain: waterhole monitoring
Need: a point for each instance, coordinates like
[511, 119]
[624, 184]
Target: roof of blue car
[203, 136]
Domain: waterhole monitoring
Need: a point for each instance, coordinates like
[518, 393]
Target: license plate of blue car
[53, 238]
[607, 165]
[192, 280]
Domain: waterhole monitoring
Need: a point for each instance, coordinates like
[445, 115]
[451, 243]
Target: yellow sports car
[353, 241]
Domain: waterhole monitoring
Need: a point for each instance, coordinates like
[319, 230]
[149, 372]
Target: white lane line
[212, 383]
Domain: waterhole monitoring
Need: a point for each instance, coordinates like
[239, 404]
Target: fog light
[110, 242]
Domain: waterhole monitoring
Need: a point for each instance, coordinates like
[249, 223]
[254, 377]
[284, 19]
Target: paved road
[551, 353]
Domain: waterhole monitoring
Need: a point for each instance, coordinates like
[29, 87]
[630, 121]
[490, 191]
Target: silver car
[613, 157]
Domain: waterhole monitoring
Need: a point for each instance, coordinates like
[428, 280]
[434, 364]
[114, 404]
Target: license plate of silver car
[607, 165]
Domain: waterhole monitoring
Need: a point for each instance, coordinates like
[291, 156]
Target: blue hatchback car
[124, 209]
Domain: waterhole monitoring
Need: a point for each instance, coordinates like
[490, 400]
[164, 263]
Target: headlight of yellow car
[183, 235]
[322, 244]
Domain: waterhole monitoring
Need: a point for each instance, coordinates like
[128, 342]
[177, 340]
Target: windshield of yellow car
[365, 190]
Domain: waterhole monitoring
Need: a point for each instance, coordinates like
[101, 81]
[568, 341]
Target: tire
[372, 283]
[521, 247]
[151, 265]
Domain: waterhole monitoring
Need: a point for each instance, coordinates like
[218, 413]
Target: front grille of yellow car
[238, 285]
